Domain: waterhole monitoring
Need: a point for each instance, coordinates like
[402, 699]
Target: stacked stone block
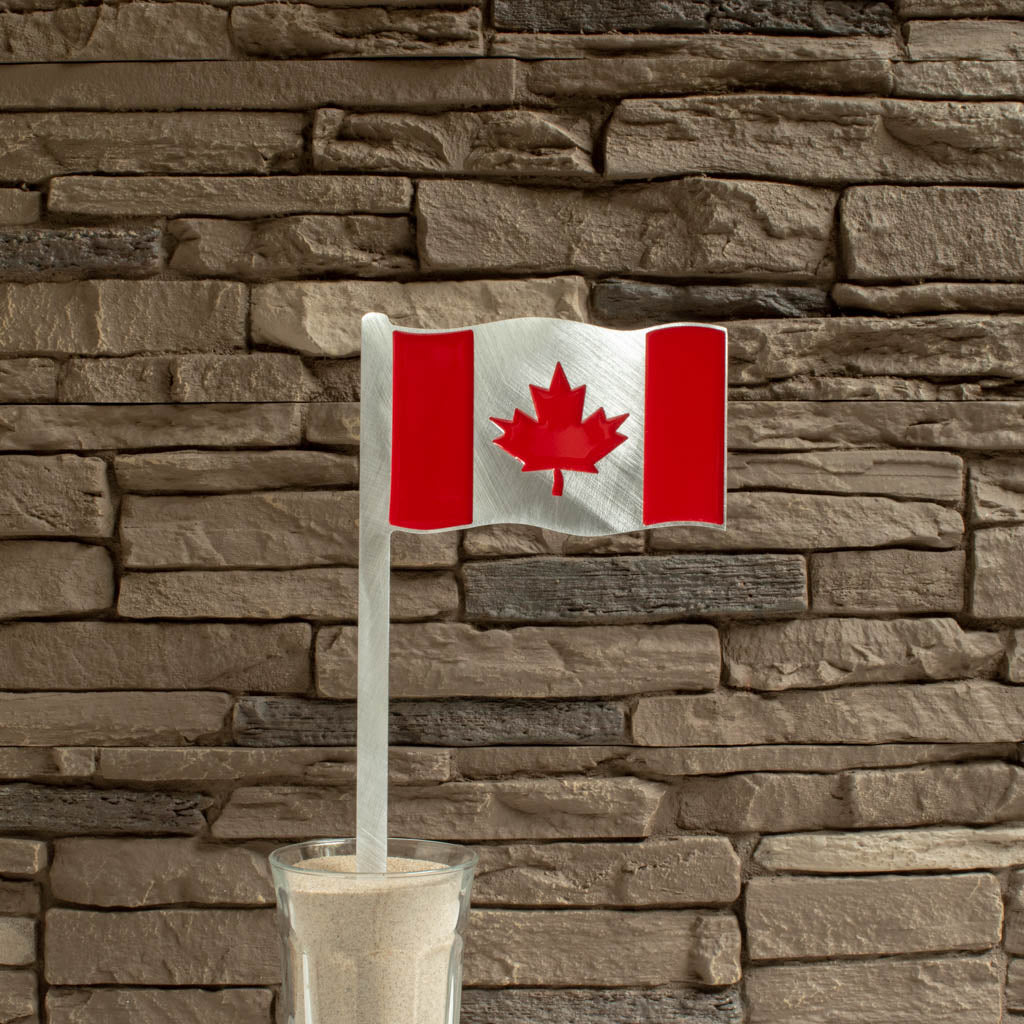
[770, 776]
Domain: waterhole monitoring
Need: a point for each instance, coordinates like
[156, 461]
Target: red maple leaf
[559, 438]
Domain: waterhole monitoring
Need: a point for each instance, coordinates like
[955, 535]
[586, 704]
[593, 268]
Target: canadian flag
[553, 423]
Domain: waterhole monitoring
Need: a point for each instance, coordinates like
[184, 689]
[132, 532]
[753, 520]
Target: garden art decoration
[549, 423]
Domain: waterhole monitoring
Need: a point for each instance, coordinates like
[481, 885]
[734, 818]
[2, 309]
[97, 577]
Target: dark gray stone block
[637, 303]
[25, 807]
[632, 589]
[601, 1006]
[283, 722]
[794, 17]
[37, 254]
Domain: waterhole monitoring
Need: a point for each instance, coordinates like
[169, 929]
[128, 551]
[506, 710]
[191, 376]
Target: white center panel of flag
[508, 358]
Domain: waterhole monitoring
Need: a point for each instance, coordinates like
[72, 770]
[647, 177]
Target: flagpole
[372, 705]
[374, 598]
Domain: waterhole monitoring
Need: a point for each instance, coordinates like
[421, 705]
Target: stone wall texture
[770, 776]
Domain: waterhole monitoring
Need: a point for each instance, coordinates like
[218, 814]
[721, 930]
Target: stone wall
[770, 776]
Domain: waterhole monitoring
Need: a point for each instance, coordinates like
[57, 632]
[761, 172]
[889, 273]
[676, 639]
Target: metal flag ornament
[506, 422]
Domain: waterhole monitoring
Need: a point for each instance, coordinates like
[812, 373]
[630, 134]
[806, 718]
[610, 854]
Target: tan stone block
[959, 79]
[268, 530]
[972, 426]
[676, 762]
[964, 991]
[162, 947]
[932, 297]
[919, 849]
[48, 764]
[28, 380]
[137, 31]
[572, 808]
[827, 652]
[997, 591]
[996, 492]
[875, 222]
[333, 423]
[86, 427]
[253, 377]
[955, 346]
[1015, 656]
[961, 8]
[52, 719]
[959, 794]
[53, 578]
[512, 540]
[322, 594]
[677, 872]
[876, 582]
[17, 941]
[933, 476]
[156, 656]
[1013, 934]
[636, 49]
[220, 196]
[965, 40]
[22, 858]
[1015, 985]
[303, 765]
[37, 146]
[422, 550]
[151, 872]
[54, 496]
[803, 918]
[322, 317]
[456, 660]
[215, 472]
[338, 379]
[619, 64]
[302, 246]
[782, 520]
[666, 229]
[960, 712]
[311, 30]
[19, 898]
[260, 85]
[859, 389]
[122, 317]
[140, 380]
[601, 947]
[18, 997]
[500, 762]
[276, 529]
[18, 206]
[669, 763]
[501, 142]
[840, 139]
[977, 793]
[158, 1006]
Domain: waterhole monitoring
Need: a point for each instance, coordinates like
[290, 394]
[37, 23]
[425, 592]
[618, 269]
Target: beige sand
[372, 949]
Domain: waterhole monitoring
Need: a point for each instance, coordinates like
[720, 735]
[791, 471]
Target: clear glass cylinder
[362, 948]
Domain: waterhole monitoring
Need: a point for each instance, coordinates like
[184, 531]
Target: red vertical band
[432, 430]
[684, 426]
